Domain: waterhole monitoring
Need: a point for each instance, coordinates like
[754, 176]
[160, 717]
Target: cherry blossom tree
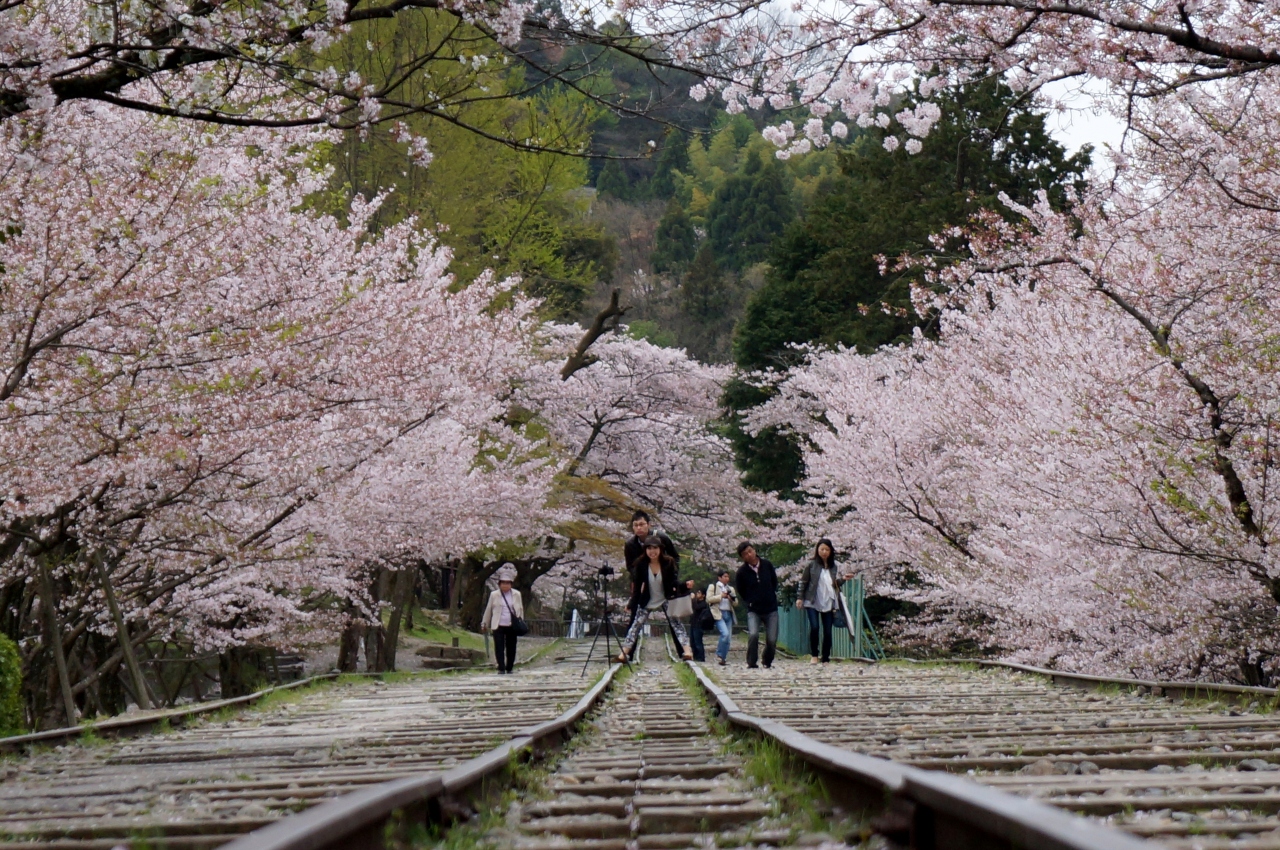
[1080, 465]
[631, 426]
[346, 64]
[198, 374]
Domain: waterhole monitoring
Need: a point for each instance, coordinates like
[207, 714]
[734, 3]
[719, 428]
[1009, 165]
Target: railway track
[1184, 774]
[650, 772]
[364, 761]
[202, 786]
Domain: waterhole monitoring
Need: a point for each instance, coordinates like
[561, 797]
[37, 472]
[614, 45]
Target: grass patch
[90, 738]
[798, 792]
[426, 627]
[274, 699]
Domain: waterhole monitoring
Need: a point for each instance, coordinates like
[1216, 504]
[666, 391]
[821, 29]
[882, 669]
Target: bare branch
[580, 358]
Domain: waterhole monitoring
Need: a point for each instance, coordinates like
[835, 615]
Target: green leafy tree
[675, 241]
[824, 283]
[612, 181]
[672, 158]
[706, 295]
[749, 211]
[514, 211]
[10, 688]
[703, 287]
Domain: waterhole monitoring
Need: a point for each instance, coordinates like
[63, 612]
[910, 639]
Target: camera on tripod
[605, 627]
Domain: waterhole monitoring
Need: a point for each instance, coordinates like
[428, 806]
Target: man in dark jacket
[758, 589]
[633, 551]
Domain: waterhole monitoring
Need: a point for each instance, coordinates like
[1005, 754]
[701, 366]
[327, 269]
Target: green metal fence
[858, 641]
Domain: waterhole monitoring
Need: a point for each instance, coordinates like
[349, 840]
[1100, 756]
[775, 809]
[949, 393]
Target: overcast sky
[1083, 123]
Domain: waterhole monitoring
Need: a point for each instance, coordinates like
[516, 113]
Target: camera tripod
[606, 622]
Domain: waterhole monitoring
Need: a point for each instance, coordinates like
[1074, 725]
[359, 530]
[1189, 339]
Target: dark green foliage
[673, 157]
[883, 609]
[10, 688]
[824, 284]
[612, 181]
[707, 295]
[770, 460]
[703, 287]
[650, 331]
[749, 211]
[675, 241]
[654, 100]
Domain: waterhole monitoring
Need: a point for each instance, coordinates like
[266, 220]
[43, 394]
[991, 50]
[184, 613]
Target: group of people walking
[652, 560]
[653, 565]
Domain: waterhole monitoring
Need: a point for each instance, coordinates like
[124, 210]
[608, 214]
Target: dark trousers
[504, 647]
[769, 623]
[695, 642]
[828, 619]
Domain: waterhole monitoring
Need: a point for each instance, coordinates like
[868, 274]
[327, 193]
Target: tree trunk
[1254, 672]
[231, 671]
[122, 633]
[475, 595]
[375, 648]
[53, 631]
[349, 647]
[401, 593]
[455, 591]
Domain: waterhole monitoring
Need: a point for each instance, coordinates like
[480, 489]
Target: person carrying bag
[504, 616]
[822, 600]
[656, 589]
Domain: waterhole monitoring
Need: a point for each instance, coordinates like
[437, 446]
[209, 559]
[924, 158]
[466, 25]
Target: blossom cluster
[1079, 465]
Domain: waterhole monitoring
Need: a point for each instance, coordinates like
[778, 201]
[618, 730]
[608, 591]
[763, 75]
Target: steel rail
[365, 818]
[927, 810]
[125, 726]
[128, 725]
[1182, 690]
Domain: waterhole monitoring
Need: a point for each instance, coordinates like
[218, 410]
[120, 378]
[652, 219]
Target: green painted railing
[858, 641]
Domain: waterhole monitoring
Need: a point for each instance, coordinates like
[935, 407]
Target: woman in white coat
[504, 608]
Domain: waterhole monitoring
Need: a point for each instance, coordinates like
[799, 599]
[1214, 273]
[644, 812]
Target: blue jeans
[828, 619]
[725, 627]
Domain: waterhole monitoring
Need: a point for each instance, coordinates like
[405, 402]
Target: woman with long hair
[655, 586]
[820, 596]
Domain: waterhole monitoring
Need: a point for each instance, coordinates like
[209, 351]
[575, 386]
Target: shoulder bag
[518, 625]
[841, 619]
[680, 607]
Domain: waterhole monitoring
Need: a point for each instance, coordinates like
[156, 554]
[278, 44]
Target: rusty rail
[1179, 690]
[125, 726]
[927, 810]
[365, 818]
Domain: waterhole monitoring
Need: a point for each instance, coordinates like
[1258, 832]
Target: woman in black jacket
[656, 585]
[820, 597]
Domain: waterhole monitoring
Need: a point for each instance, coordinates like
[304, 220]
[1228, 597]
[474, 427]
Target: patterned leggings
[642, 616]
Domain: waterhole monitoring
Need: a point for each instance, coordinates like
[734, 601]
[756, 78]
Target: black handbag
[840, 621]
[518, 625]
